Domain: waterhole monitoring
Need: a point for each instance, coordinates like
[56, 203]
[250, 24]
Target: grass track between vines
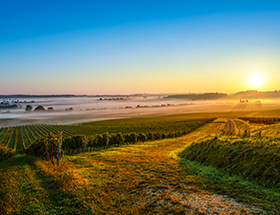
[131, 179]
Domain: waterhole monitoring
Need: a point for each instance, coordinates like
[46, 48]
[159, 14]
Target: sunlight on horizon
[256, 80]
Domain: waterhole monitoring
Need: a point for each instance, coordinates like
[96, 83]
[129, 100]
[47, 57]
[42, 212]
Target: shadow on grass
[63, 202]
[19, 159]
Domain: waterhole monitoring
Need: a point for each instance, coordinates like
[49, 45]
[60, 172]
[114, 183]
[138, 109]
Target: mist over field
[99, 108]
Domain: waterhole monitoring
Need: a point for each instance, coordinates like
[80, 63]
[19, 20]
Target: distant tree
[69, 109]
[50, 109]
[28, 108]
[39, 108]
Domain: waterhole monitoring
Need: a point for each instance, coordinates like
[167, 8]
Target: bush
[102, 140]
[5, 152]
[120, 138]
[157, 136]
[142, 137]
[91, 141]
[74, 143]
[66, 143]
[150, 137]
[171, 135]
[113, 139]
[131, 138]
[46, 146]
[105, 139]
[98, 140]
[116, 139]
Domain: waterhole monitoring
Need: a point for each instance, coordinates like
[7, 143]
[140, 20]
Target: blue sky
[100, 47]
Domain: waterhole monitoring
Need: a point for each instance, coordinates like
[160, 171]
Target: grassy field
[169, 176]
[144, 178]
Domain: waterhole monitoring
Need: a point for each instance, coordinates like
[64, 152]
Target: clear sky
[145, 46]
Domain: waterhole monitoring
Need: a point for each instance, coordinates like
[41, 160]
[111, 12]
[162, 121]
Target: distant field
[104, 110]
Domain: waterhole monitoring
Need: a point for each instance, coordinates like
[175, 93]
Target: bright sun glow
[256, 80]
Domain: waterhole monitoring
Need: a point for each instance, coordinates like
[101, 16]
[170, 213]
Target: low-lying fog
[91, 108]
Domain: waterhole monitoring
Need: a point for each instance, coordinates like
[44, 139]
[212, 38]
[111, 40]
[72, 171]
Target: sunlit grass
[142, 178]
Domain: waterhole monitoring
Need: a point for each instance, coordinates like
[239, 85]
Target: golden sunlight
[256, 80]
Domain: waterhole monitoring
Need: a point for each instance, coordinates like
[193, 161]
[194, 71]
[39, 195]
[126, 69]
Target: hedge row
[106, 139]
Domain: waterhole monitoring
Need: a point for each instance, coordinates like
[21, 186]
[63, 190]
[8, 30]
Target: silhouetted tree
[28, 108]
[50, 109]
[39, 108]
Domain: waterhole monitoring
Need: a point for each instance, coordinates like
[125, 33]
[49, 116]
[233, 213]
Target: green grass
[254, 158]
[237, 187]
[142, 178]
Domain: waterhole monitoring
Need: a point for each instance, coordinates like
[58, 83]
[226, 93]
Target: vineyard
[250, 149]
[246, 128]
[19, 138]
[242, 164]
[254, 158]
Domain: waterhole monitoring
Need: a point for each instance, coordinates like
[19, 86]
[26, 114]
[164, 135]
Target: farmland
[20, 137]
[160, 175]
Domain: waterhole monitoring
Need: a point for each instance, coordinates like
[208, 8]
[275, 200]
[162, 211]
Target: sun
[256, 80]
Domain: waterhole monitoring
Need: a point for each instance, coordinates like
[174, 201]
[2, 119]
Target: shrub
[131, 138]
[98, 140]
[5, 152]
[91, 141]
[113, 139]
[66, 143]
[150, 137]
[157, 136]
[75, 142]
[120, 138]
[171, 135]
[142, 137]
[46, 146]
[102, 140]
[105, 139]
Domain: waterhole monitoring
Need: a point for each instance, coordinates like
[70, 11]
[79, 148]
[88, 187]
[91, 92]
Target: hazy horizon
[126, 47]
[132, 94]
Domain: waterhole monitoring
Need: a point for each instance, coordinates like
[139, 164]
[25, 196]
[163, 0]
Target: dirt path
[230, 126]
[148, 180]
[144, 178]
